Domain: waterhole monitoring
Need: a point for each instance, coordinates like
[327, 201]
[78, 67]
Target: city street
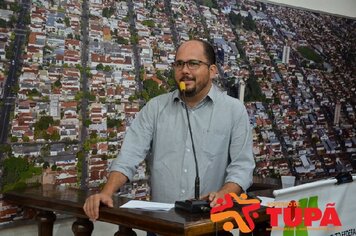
[11, 82]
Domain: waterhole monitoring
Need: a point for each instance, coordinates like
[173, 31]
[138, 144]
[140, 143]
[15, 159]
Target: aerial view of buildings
[74, 74]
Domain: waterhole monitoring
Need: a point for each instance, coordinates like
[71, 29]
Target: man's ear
[213, 70]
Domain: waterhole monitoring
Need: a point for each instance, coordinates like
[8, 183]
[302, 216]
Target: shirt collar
[211, 95]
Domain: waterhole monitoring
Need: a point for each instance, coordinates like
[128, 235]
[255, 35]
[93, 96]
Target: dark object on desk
[343, 178]
[193, 206]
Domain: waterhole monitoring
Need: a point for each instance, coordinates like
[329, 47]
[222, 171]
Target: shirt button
[183, 191]
[188, 150]
[185, 170]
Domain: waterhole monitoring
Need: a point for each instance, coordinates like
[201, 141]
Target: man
[221, 134]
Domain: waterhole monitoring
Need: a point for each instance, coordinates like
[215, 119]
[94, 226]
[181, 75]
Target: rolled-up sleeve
[137, 142]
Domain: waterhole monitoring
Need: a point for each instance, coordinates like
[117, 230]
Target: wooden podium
[48, 200]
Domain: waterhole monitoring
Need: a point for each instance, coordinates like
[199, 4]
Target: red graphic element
[292, 205]
[227, 205]
[217, 213]
[294, 216]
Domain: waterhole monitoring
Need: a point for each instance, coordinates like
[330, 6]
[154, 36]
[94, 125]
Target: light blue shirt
[222, 138]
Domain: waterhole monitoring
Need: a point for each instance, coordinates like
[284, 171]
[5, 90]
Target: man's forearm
[115, 181]
[230, 188]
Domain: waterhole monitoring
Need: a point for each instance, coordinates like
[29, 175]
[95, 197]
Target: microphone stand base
[193, 206]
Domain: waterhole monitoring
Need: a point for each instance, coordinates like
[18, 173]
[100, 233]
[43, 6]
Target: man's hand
[91, 205]
[213, 198]
[227, 188]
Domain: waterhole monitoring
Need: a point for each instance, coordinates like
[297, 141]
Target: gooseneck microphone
[182, 88]
[194, 205]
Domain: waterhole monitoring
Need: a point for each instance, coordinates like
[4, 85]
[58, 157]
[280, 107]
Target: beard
[189, 92]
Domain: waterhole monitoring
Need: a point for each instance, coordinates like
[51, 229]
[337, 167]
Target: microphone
[193, 205]
[182, 88]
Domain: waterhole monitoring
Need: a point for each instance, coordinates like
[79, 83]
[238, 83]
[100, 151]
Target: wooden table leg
[45, 221]
[82, 227]
[125, 231]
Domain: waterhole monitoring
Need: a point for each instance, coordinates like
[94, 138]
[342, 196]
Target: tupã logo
[299, 216]
[218, 214]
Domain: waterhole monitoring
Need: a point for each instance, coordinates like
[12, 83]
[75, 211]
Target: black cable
[197, 179]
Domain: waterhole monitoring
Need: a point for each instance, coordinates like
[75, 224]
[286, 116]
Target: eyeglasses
[191, 64]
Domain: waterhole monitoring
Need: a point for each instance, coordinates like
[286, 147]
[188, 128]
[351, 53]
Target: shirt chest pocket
[216, 143]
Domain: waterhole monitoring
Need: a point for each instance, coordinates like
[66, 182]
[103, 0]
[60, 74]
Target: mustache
[187, 78]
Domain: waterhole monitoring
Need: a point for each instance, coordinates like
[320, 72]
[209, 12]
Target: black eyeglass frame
[195, 64]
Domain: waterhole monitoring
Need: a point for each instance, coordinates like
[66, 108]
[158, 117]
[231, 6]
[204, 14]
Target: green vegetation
[44, 123]
[111, 123]
[67, 22]
[9, 51]
[122, 40]
[55, 136]
[209, 3]
[15, 7]
[86, 145]
[112, 134]
[93, 135]
[41, 127]
[14, 139]
[134, 39]
[3, 4]
[249, 23]
[236, 20]
[78, 96]
[108, 12]
[15, 88]
[16, 172]
[310, 54]
[25, 138]
[34, 93]
[151, 90]
[27, 19]
[100, 66]
[80, 156]
[125, 19]
[3, 23]
[6, 148]
[149, 23]
[45, 165]
[106, 68]
[253, 91]
[87, 123]
[91, 97]
[58, 83]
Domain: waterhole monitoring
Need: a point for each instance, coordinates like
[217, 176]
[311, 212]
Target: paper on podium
[153, 206]
[265, 201]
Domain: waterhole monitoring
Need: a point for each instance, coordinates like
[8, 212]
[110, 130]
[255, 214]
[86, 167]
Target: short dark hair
[208, 50]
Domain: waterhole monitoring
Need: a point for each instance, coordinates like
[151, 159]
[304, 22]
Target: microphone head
[181, 86]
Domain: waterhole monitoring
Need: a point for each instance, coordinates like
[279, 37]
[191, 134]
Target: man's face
[198, 79]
